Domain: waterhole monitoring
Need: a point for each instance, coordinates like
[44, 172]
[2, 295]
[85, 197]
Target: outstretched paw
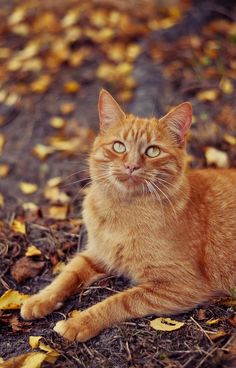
[76, 329]
[38, 306]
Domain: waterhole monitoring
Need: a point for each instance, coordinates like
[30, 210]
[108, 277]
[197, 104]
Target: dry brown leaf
[41, 151]
[32, 250]
[28, 188]
[166, 324]
[57, 122]
[12, 299]
[18, 227]
[4, 170]
[25, 268]
[216, 335]
[208, 95]
[216, 157]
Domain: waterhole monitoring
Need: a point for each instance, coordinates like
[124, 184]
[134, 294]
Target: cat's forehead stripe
[137, 130]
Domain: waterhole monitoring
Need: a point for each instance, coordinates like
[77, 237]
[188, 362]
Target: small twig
[202, 330]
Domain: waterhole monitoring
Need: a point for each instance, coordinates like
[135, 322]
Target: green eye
[152, 151]
[118, 147]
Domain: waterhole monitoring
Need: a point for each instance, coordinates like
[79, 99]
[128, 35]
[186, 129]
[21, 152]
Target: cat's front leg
[150, 298]
[82, 270]
[128, 304]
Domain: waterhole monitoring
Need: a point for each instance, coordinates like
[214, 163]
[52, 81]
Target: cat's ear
[178, 121]
[109, 110]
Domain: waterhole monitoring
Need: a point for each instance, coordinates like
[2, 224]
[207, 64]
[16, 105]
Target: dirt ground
[151, 56]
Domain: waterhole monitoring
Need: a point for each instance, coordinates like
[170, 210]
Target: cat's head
[133, 155]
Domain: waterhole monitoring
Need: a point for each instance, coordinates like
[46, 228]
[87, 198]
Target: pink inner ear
[108, 109]
[181, 120]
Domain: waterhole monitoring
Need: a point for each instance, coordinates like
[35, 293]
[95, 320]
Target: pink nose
[131, 167]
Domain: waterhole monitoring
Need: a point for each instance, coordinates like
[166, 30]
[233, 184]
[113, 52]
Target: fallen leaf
[67, 108]
[72, 87]
[2, 202]
[41, 84]
[12, 299]
[35, 342]
[41, 151]
[4, 170]
[30, 206]
[18, 227]
[213, 321]
[57, 212]
[230, 139]
[208, 95]
[16, 325]
[33, 251]
[216, 157]
[226, 86]
[25, 268]
[29, 360]
[2, 142]
[28, 188]
[17, 16]
[166, 324]
[216, 335]
[54, 195]
[53, 182]
[57, 122]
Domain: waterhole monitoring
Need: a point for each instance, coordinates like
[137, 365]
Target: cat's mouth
[129, 178]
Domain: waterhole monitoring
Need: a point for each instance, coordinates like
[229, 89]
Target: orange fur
[171, 231]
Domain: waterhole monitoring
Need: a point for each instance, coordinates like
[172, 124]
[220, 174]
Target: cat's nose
[131, 167]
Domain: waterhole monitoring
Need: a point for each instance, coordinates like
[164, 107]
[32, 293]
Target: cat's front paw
[38, 306]
[76, 329]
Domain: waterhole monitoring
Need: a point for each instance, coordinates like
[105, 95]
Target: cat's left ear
[109, 110]
[178, 121]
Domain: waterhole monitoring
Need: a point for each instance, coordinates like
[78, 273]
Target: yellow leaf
[67, 108]
[165, 324]
[2, 202]
[4, 170]
[30, 206]
[53, 182]
[71, 87]
[1, 360]
[213, 321]
[29, 360]
[41, 84]
[41, 151]
[2, 142]
[17, 16]
[226, 86]
[54, 195]
[217, 335]
[51, 355]
[28, 188]
[57, 122]
[12, 299]
[216, 157]
[58, 212]
[58, 268]
[230, 139]
[208, 95]
[18, 227]
[32, 251]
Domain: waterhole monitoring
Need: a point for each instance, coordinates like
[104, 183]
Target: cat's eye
[119, 147]
[152, 151]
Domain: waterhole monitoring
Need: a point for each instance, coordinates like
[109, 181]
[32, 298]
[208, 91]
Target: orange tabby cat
[171, 231]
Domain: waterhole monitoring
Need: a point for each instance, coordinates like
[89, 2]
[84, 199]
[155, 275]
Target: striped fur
[172, 232]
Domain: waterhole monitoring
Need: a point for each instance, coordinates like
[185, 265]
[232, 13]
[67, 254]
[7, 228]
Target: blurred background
[150, 54]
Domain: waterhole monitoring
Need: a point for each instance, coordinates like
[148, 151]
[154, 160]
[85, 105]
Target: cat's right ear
[109, 110]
